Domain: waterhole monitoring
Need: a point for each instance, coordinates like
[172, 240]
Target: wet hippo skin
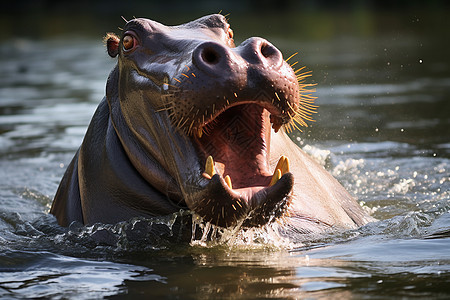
[191, 121]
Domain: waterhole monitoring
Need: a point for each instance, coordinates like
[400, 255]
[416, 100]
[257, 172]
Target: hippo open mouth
[250, 88]
[238, 140]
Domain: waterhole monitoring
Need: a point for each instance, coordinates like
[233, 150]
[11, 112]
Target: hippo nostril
[259, 51]
[210, 56]
[268, 50]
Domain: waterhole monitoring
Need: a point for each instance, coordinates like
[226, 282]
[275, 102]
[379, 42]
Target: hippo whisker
[189, 132]
[302, 76]
[180, 125]
[292, 65]
[302, 68]
[162, 109]
[278, 97]
[286, 60]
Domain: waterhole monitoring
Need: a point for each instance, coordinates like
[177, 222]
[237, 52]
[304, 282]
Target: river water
[382, 131]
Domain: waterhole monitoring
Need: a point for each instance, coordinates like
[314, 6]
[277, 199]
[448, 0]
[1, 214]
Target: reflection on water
[382, 131]
[47, 272]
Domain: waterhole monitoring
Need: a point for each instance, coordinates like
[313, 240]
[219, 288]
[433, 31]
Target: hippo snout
[214, 58]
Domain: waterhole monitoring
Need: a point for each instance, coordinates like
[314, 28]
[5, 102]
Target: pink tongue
[236, 141]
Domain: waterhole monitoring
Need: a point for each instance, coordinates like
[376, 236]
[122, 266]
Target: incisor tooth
[276, 176]
[209, 166]
[228, 181]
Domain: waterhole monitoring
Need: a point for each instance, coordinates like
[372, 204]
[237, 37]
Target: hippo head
[195, 114]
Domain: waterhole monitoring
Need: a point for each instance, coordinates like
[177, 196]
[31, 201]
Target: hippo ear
[112, 44]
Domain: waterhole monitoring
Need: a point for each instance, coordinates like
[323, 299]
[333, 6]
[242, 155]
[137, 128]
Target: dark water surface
[383, 130]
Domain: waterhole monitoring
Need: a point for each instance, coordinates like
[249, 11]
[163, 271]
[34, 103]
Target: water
[382, 131]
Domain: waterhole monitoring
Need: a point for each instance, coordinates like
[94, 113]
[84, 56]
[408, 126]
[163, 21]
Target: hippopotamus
[192, 122]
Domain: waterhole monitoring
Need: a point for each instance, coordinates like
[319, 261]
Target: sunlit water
[382, 131]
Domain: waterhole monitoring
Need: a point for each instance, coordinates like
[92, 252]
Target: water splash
[137, 234]
[270, 236]
[322, 157]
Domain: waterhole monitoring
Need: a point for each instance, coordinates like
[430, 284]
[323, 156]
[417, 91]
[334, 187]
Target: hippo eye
[129, 42]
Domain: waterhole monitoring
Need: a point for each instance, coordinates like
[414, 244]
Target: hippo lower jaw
[241, 188]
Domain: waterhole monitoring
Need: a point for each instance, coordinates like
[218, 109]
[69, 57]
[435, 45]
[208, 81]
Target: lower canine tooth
[228, 181]
[200, 132]
[209, 166]
[280, 162]
[276, 176]
[285, 166]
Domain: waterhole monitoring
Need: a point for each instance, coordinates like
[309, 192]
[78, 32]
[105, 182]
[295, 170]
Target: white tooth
[276, 176]
[228, 181]
[209, 166]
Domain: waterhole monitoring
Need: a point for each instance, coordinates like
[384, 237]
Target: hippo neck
[161, 154]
